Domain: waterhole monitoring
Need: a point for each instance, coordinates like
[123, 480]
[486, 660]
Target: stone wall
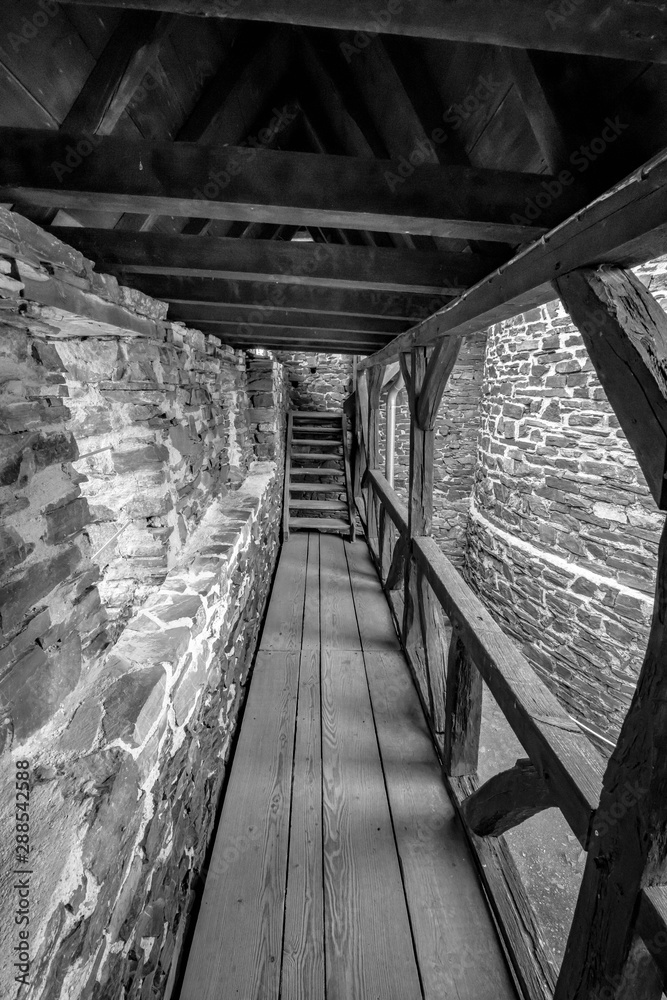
[563, 532]
[140, 495]
[317, 381]
[455, 447]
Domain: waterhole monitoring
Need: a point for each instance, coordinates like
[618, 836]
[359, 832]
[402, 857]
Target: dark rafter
[597, 27]
[252, 260]
[229, 182]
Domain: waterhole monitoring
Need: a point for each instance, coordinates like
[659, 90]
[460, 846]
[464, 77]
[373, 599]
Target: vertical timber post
[625, 332]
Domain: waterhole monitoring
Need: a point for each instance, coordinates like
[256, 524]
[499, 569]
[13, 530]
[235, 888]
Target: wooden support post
[425, 383]
[375, 377]
[507, 799]
[463, 710]
[625, 332]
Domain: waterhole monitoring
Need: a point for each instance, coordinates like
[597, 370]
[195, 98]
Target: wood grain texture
[373, 615]
[454, 935]
[303, 946]
[625, 332]
[506, 799]
[368, 940]
[559, 749]
[283, 625]
[463, 710]
[628, 848]
[337, 612]
[311, 613]
[237, 945]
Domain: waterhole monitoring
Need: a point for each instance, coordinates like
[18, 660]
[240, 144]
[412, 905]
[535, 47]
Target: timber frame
[296, 190]
[618, 940]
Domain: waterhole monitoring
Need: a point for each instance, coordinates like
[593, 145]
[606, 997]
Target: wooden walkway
[339, 870]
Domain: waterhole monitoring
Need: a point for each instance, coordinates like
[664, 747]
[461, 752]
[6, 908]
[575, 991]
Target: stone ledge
[163, 657]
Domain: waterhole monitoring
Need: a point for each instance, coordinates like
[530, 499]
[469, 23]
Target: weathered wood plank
[260, 295]
[196, 313]
[533, 964]
[557, 747]
[275, 186]
[283, 625]
[625, 332]
[600, 27]
[463, 710]
[303, 943]
[625, 226]
[288, 263]
[238, 940]
[439, 368]
[376, 625]
[506, 800]
[128, 55]
[453, 932]
[368, 941]
[311, 611]
[337, 613]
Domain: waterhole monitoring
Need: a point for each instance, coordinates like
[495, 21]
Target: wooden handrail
[397, 510]
[558, 748]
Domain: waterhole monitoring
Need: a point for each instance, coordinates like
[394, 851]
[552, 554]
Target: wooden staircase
[318, 489]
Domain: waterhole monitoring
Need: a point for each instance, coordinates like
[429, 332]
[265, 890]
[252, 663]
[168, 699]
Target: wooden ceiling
[301, 174]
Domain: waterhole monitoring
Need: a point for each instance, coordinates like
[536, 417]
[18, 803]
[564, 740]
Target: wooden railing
[562, 768]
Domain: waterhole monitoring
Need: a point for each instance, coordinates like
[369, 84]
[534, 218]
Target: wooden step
[315, 415]
[313, 428]
[336, 473]
[317, 456]
[317, 505]
[325, 441]
[319, 524]
[316, 488]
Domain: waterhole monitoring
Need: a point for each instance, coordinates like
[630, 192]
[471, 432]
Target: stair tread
[319, 523]
[323, 441]
[316, 415]
[312, 427]
[316, 472]
[317, 487]
[317, 505]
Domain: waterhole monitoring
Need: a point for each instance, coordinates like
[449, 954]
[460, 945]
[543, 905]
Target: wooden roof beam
[292, 263]
[196, 313]
[231, 182]
[626, 226]
[598, 27]
[268, 294]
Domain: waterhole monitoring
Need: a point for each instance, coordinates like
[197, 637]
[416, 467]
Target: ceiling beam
[230, 182]
[626, 226]
[128, 55]
[598, 27]
[195, 313]
[249, 295]
[293, 263]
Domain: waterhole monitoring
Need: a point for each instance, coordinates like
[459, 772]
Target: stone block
[33, 690]
[34, 584]
[141, 691]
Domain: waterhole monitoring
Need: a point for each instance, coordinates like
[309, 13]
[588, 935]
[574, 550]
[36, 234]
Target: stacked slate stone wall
[563, 532]
[140, 496]
[317, 381]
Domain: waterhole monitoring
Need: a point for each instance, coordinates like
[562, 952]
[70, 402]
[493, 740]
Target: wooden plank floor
[339, 871]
